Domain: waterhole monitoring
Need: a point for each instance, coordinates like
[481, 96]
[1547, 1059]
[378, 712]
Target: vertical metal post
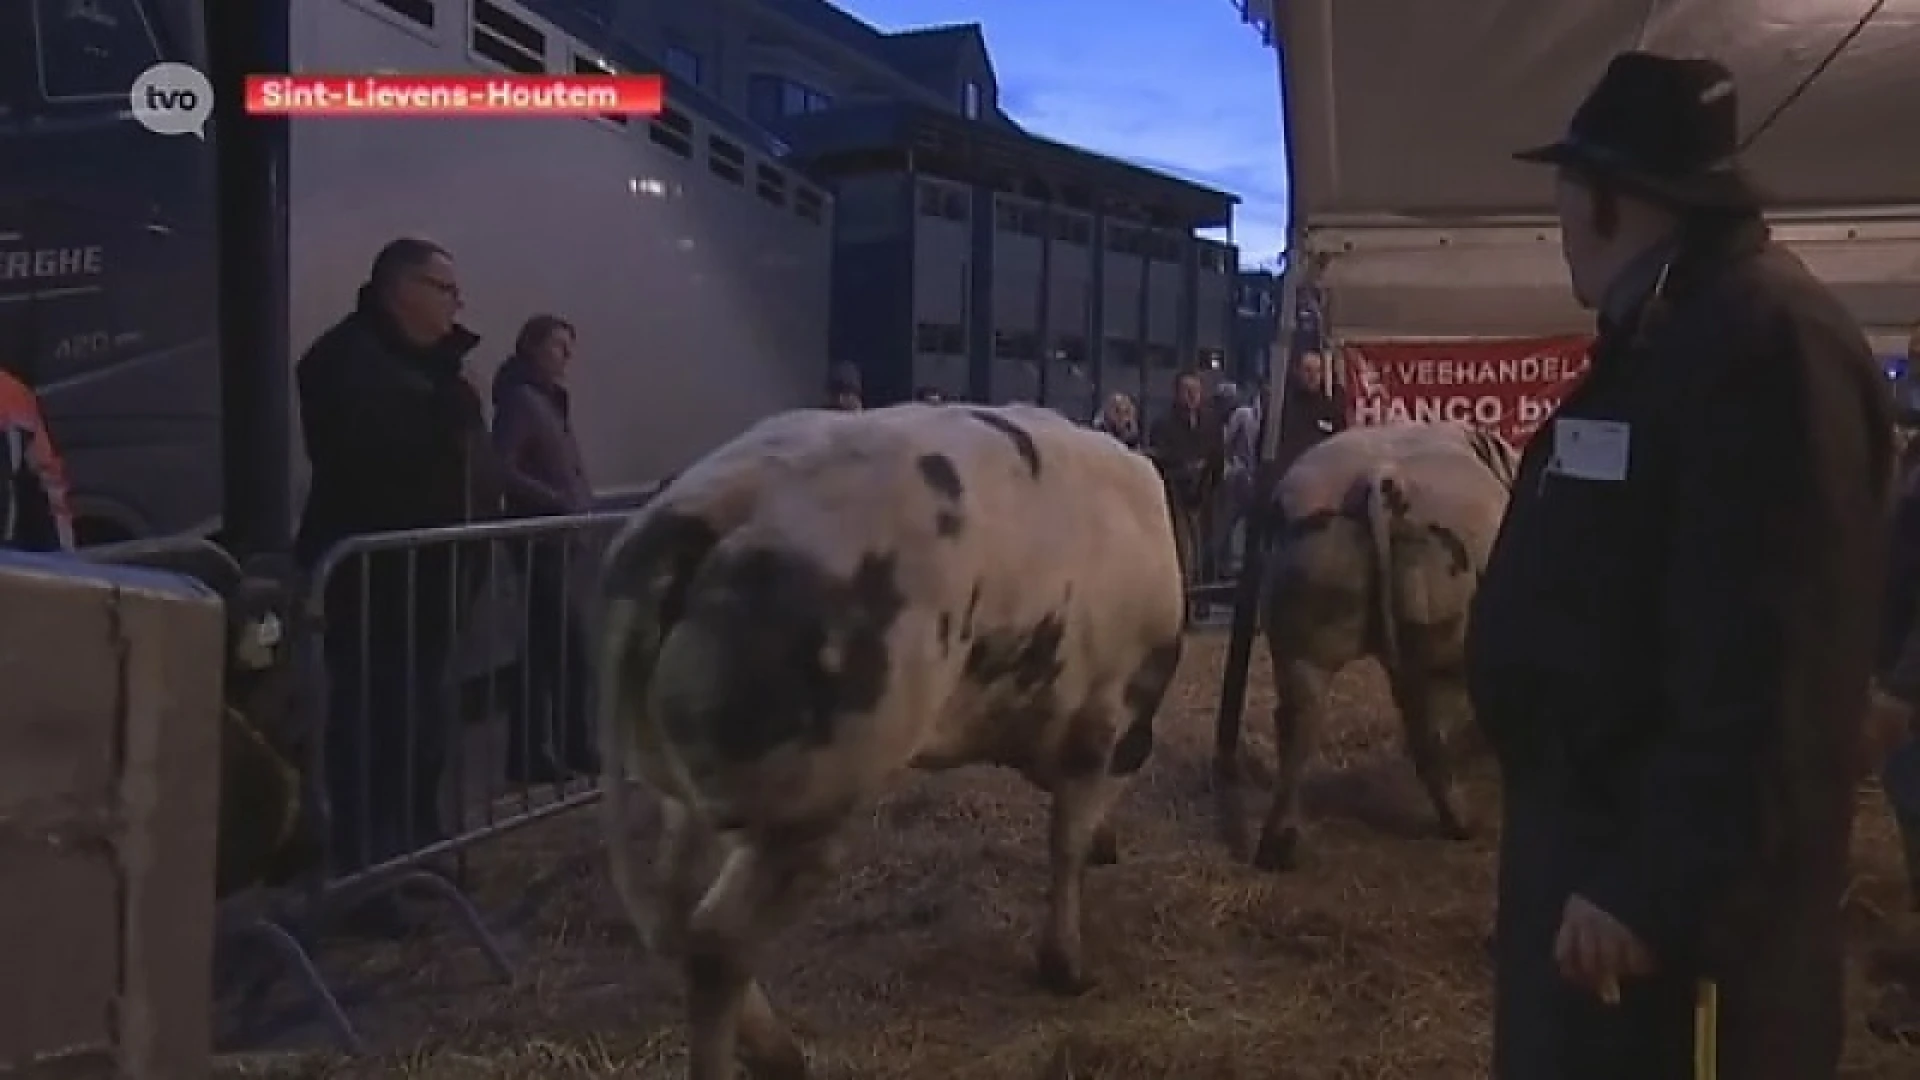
[251, 184]
[1043, 303]
[1253, 563]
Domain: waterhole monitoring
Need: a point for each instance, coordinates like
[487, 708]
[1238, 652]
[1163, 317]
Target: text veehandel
[1511, 385]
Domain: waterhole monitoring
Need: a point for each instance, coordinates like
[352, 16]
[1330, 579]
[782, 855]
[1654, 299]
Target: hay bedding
[1369, 962]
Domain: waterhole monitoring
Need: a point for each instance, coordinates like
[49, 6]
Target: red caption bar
[454, 95]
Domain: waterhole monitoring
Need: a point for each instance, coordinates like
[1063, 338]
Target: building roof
[933, 48]
[920, 56]
[592, 22]
[985, 149]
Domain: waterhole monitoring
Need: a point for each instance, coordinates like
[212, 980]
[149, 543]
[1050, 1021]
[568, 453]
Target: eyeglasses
[444, 288]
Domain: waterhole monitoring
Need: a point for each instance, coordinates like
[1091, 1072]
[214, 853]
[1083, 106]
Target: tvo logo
[172, 99]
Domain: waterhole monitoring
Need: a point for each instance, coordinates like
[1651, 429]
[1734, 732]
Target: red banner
[1508, 385]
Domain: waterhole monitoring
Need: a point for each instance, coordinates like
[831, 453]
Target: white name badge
[1591, 449]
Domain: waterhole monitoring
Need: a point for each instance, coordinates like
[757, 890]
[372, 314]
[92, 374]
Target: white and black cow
[1382, 537]
[835, 597]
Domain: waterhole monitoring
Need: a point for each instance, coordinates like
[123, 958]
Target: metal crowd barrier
[445, 681]
[1211, 573]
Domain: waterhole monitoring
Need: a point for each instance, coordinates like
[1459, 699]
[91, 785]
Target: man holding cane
[1671, 647]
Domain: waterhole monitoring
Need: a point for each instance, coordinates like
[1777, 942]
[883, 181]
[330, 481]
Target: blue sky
[1176, 85]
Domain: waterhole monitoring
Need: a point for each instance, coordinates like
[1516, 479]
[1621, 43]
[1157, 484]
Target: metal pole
[1253, 563]
[251, 181]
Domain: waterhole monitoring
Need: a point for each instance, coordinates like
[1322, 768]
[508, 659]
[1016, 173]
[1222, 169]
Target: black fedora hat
[1664, 127]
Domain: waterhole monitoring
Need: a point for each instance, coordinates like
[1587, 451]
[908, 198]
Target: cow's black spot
[948, 524]
[942, 477]
[771, 615]
[1145, 690]
[664, 552]
[1020, 716]
[1311, 524]
[1024, 659]
[1023, 443]
[973, 608]
[872, 602]
[1459, 559]
[1088, 744]
[946, 632]
[1394, 497]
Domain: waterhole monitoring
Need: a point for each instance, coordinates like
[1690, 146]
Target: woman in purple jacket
[545, 474]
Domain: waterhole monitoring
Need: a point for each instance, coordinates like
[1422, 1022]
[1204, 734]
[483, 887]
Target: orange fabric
[20, 412]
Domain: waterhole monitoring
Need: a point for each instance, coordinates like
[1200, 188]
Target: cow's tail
[1382, 490]
[643, 584]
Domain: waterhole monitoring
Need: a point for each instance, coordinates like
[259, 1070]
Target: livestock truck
[699, 292]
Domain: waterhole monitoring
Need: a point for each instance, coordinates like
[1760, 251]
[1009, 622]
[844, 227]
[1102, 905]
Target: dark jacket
[542, 471]
[1899, 654]
[397, 440]
[390, 431]
[1668, 664]
[1307, 417]
[1190, 453]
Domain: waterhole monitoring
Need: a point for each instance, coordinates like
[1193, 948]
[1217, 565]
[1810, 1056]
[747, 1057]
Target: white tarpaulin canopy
[1414, 106]
[1403, 115]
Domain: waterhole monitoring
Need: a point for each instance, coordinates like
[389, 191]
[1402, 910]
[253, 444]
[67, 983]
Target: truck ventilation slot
[673, 131]
[808, 204]
[770, 184]
[418, 12]
[587, 65]
[508, 40]
[726, 159]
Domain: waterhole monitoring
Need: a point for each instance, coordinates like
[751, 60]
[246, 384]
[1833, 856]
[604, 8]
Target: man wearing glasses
[396, 439]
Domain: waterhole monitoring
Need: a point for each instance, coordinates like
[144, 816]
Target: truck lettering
[31, 264]
[83, 346]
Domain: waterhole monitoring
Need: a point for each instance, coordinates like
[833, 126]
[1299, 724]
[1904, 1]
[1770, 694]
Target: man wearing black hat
[1672, 641]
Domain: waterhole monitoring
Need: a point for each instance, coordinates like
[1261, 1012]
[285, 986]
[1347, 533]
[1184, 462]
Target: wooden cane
[1706, 1031]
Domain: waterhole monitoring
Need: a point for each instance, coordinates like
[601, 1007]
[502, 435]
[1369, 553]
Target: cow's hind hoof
[789, 1063]
[1279, 850]
[1059, 975]
[1105, 849]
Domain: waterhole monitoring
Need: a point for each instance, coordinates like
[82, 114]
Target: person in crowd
[929, 395]
[843, 389]
[1185, 444]
[1120, 418]
[1681, 604]
[543, 472]
[397, 439]
[1312, 410]
[1240, 446]
[34, 511]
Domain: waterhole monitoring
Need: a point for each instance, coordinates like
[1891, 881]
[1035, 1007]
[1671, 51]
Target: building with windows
[970, 255]
[1256, 325]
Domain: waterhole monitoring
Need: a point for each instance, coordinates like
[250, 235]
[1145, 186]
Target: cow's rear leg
[759, 890]
[1080, 807]
[685, 841]
[1140, 700]
[1104, 848]
[1431, 709]
[1297, 720]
